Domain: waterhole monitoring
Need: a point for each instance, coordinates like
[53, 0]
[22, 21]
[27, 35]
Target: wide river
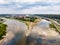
[15, 32]
[41, 34]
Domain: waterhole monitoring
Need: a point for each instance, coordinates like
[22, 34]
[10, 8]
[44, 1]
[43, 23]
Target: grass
[53, 26]
[2, 30]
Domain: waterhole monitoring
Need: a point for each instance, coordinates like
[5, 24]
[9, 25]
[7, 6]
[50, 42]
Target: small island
[29, 21]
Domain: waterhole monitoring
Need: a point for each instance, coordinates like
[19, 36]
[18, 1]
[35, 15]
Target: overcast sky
[29, 6]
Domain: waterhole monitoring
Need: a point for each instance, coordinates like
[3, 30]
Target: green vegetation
[27, 20]
[30, 19]
[2, 30]
[53, 26]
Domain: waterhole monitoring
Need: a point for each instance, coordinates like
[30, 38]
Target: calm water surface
[41, 34]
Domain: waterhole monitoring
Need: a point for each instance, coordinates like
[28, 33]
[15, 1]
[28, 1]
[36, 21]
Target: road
[15, 31]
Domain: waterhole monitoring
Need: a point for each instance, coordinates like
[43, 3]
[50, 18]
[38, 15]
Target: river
[41, 34]
[15, 32]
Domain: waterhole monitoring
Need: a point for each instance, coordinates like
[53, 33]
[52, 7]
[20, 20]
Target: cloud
[41, 10]
[30, 6]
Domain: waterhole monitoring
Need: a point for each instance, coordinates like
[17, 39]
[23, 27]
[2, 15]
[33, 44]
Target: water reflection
[15, 32]
[17, 38]
[39, 35]
[43, 35]
[43, 23]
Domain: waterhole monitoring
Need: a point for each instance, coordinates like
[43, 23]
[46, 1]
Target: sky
[29, 6]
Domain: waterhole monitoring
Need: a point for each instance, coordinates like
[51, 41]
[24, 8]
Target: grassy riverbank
[53, 26]
[2, 30]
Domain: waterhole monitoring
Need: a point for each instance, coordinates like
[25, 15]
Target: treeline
[49, 15]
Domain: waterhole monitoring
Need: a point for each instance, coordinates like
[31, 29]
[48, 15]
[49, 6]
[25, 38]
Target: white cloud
[34, 1]
[4, 1]
[27, 1]
[31, 10]
[37, 0]
[42, 10]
